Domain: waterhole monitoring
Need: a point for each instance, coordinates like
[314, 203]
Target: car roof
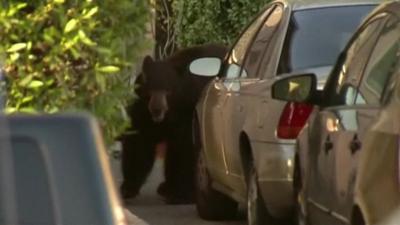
[308, 4]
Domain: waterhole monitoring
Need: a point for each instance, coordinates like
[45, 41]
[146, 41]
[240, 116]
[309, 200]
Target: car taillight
[292, 120]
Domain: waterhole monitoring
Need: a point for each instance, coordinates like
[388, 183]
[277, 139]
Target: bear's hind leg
[180, 166]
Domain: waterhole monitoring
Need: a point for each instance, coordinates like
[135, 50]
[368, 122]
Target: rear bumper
[274, 164]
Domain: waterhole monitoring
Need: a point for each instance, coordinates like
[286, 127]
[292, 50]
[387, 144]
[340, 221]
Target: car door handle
[355, 144]
[328, 144]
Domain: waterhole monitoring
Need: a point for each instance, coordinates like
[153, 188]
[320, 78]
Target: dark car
[54, 170]
[347, 156]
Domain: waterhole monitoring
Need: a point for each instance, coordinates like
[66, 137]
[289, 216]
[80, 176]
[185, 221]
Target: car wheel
[299, 201]
[300, 217]
[211, 204]
[357, 217]
[257, 213]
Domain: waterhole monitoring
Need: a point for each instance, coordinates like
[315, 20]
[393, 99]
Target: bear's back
[192, 85]
[182, 58]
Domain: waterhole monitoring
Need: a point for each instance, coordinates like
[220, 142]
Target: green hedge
[72, 55]
[219, 21]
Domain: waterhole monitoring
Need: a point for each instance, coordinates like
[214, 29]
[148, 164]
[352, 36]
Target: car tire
[211, 204]
[257, 213]
[300, 215]
[357, 217]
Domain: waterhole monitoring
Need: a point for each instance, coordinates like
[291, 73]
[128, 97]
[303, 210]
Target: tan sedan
[247, 138]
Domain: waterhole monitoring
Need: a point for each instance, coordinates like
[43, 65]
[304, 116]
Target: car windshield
[316, 36]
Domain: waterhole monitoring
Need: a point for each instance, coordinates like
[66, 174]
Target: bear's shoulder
[185, 56]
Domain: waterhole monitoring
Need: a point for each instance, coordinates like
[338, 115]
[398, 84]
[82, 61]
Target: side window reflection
[238, 52]
[381, 65]
[260, 50]
[345, 87]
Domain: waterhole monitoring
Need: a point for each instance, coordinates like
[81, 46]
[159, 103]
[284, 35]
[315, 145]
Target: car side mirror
[297, 88]
[207, 66]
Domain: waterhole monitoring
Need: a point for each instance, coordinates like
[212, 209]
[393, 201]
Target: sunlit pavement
[150, 207]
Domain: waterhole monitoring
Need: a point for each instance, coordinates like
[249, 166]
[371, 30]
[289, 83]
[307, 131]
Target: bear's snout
[158, 105]
[158, 115]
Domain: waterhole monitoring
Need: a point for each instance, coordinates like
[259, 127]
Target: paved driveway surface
[150, 207]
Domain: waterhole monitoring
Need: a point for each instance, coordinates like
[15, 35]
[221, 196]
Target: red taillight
[292, 120]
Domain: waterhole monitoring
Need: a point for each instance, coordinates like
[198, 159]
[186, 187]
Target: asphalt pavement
[149, 207]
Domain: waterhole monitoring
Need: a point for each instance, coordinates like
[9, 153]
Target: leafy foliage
[72, 55]
[218, 21]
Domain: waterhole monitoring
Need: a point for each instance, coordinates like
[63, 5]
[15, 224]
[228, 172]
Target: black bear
[168, 93]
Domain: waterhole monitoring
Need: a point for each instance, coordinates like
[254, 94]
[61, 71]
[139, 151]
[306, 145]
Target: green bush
[72, 55]
[219, 21]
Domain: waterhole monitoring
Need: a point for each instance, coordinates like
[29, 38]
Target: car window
[237, 54]
[381, 65]
[348, 72]
[32, 195]
[262, 43]
[35, 202]
[316, 36]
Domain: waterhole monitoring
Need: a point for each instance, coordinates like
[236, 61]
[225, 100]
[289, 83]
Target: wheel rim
[300, 210]
[252, 198]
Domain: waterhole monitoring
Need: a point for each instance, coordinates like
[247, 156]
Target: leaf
[10, 110]
[21, 5]
[27, 99]
[84, 38]
[29, 110]
[24, 82]
[108, 69]
[29, 45]
[71, 25]
[101, 82]
[104, 51]
[91, 12]
[17, 47]
[35, 84]
[16, 9]
[14, 56]
[59, 1]
[50, 82]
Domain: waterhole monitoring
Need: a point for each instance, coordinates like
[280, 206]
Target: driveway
[150, 207]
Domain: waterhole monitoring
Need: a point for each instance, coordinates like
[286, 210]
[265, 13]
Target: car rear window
[316, 36]
[34, 197]
[54, 163]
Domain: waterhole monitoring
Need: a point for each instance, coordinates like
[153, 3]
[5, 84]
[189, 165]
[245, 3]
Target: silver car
[347, 159]
[247, 138]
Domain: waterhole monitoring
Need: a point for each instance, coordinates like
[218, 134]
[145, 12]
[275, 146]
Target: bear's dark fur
[171, 75]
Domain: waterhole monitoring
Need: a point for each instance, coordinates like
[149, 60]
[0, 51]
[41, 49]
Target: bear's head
[160, 78]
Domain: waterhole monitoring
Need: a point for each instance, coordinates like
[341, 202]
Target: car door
[219, 101]
[334, 118]
[377, 73]
[246, 95]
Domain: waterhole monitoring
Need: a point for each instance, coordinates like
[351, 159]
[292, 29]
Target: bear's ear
[147, 63]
